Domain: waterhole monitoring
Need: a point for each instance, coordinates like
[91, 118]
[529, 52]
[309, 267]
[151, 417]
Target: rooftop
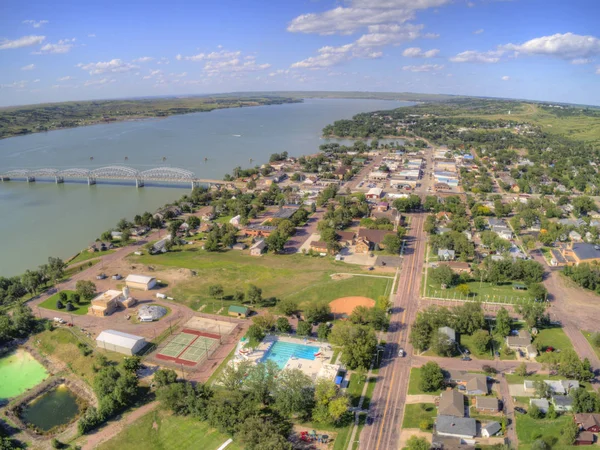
[460, 426]
[452, 403]
[139, 279]
[119, 338]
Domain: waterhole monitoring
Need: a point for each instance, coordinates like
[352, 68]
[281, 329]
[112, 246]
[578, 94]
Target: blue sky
[75, 50]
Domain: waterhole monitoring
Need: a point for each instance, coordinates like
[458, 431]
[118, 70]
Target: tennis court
[199, 348]
[189, 347]
[177, 345]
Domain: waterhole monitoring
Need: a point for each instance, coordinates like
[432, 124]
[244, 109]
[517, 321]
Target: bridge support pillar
[139, 183]
[59, 180]
[5, 179]
[31, 179]
[91, 180]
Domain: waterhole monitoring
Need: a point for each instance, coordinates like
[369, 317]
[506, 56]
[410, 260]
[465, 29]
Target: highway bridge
[117, 173]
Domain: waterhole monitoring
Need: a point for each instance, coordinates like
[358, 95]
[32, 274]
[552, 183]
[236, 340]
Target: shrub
[59, 304]
[70, 306]
[304, 328]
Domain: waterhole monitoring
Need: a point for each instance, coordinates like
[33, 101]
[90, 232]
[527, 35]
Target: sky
[75, 50]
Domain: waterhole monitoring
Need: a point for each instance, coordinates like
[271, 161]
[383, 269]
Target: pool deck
[317, 368]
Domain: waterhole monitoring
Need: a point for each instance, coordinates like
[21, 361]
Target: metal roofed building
[142, 282]
[460, 427]
[117, 341]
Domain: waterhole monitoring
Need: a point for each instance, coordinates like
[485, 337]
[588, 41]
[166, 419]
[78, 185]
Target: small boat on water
[237, 135]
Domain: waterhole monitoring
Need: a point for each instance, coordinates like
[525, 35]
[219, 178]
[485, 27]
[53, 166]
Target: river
[43, 219]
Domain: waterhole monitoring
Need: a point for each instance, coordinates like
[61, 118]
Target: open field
[80, 310]
[413, 384]
[160, 430]
[589, 336]
[528, 430]
[61, 344]
[417, 412]
[553, 337]
[302, 278]
[84, 255]
[487, 292]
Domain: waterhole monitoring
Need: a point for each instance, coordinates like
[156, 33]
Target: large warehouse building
[116, 341]
[140, 282]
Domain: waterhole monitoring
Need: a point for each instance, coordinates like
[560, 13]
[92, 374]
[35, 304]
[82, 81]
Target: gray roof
[562, 400]
[492, 428]
[497, 222]
[541, 403]
[452, 403]
[460, 426]
[584, 250]
[448, 332]
[487, 403]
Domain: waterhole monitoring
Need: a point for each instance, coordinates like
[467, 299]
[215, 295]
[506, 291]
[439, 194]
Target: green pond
[55, 408]
[19, 371]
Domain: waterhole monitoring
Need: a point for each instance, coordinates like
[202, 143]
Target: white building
[142, 282]
[117, 341]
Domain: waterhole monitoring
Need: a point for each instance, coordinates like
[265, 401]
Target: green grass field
[413, 383]
[160, 430]
[302, 278]
[415, 413]
[50, 303]
[355, 388]
[488, 292]
[589, 336]
[84, 255]
[528, 430]
[553, 337]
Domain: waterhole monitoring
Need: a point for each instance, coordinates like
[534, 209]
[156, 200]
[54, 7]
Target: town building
[142, 282]
[370, 239]
[585, 438]
[258, 248]
[374, 193]
[259, 230]
[238, 311]
[562, 403]
[117, 341]
[446, 255]
[106, 303]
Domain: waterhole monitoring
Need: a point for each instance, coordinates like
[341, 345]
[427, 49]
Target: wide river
[44, 219]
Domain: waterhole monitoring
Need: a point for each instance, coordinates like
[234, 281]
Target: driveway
[518, 390]
[362, 259]
[410, 399]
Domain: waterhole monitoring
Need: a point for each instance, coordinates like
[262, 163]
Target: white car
[59, 320]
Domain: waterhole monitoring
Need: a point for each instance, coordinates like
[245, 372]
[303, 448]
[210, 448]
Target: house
[460, 427]
[363, 245]
[562, 387]
[374, 237]
[238, 311]
[575, 236]
[474, 383]
[160, 246]
[238, 246]
[318, 246]
[341, 171]
[278, 177]
[311, 180]
[442, 230]
[490, 429]
[258, 248]
[452, 403]
[117, 235]
[468, 234]
[382, 206]
[541, 403]
[488, 404]
[520, 341]
[448, 332]
[374, 193]
[588, 422]
[117, 341]
[446, 255]
[106, 303]
[142, 282]
[206, 213]
[505, 234]
[259, 230]
[345, 238]
[457, 266]
[562, 402]
[584, 438]
[236, 221]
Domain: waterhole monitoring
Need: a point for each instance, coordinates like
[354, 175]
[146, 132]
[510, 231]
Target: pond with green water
[52, 409]
[19, 371]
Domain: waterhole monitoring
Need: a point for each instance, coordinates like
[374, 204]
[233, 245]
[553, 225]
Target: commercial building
[142, 282]
[106, 303]
[117, 341]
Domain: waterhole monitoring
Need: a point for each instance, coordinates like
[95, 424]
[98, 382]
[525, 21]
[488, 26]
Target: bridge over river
[116, 173]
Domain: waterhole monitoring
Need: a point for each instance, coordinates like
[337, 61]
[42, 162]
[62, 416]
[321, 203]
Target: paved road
[389, 397]
[303, 233]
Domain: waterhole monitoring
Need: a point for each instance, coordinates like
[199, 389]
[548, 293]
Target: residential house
[341, 171]
[487, 404]
[236, 221]
[311, 180]
[206, 213]
[374, 238]
[443, 230]
[585, 438]
[319, 246]
[572, 222]
[452, 403]
[238, 246]
[541, 403]
[446, 255]
[490, 429]
[374, 193]
[562, 387]
[457, 266]
[117, 235]
[588, 422]
[516, 253]
[504, 234]
[460, 427]
[382, 206]
[519, 341]
[449, 332]
[278, 177]
[258, 248]
[575, 236]
[363, 245]
[345, 238]
[259, 230]
[468, 234]
[161, 245]
[562, 403]
[474, 383]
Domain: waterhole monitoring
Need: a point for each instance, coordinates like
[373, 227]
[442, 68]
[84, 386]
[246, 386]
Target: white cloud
[505, 78]
[597, 70]
[62, 46]
[478, 57]
[143, 59]
[234, 65]
[28, 67]
[67, 78]
[91, 35]
[423, 68]
[478, 31]
[221, 54]
[14, 85]
[99, 82]
[279, 72]
[24, 41]
[564, 46]
[36, 23]
[37, 80]
[112, 66]
[416, 52]
[581, 61]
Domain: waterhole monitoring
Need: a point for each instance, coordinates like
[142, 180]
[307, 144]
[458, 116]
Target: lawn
[61, 344]
[553, 337]
[413, 383]
[467, 341]
[85, 256]
[50, 303]
[590, 338]
[528, 430]
[415, 413]
[355, 388]
[162, 430]
[300, 277]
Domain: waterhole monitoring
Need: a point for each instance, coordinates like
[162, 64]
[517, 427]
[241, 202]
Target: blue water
[281, 352]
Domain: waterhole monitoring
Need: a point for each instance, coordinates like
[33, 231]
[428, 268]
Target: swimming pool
[281, 352]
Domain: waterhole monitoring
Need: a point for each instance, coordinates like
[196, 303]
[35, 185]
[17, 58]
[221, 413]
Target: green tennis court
[199, 349]
[177, 344]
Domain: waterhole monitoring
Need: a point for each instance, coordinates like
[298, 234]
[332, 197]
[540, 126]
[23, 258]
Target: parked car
[466, 358]
[520, 410]
[401, 352]
[101, 276]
